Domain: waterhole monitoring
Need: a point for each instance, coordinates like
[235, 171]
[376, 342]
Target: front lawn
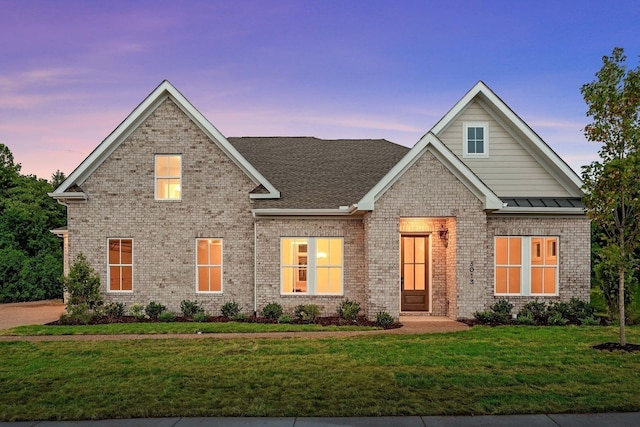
[502, 370]
[175, 328]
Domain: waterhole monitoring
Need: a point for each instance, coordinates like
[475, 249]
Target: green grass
[173, 328]
[502, 370]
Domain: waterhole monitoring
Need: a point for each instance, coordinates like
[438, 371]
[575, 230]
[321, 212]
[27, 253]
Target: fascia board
[458, 107]
[141, 113]
[69, 195]
[431, 143]
[304, 212]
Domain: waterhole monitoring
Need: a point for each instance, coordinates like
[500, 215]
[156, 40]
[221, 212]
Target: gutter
[341, 211]
[66, 197]
[255, 269]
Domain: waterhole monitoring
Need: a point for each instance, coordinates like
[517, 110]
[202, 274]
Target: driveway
[30, 313]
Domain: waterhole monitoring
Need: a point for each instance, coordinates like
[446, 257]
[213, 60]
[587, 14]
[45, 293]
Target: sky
[71, 71]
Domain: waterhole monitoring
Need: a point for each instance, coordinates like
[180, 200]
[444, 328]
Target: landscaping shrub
[167, 316]
[285, 318]
[190, 308]
[200, 317]
[556, 319]
[114, 309]
[579, 309]
[137, 311]
[272, 311]
[589, 321]
[525, 319]
[307, 312]
[561, 308]
[230, 309]
[240, 317]
[348, 310]
[536, 310]
[154, 309]
[384, 319]
[83, 287]
[498, 314]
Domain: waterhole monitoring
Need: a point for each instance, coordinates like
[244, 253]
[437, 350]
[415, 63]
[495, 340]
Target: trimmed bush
[556, 319]
[536, 310]
[348, 310]
[154, 309]
[114, 309]
[167, 316]
[272, 311]
[589, 321]
[200, 317]
[137, 311]
[240, 317]
[190, 308]
[230, 309]
[526, 319]
[307, 312]
[384, 319]
[285, 318]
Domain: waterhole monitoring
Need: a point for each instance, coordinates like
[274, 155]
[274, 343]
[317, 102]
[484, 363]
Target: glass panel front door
[414, 273]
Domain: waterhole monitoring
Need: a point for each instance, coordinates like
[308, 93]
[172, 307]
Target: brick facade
[215, 204]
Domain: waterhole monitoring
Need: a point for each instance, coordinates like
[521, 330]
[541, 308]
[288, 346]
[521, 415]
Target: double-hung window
[475, 139]
[120, 265]
[168, 177]
[312, 265]
[526, 265]
[209, 265]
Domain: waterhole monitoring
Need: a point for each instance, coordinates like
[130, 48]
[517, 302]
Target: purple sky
[71, 71]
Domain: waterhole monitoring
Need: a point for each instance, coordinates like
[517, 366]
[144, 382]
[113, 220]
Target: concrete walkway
[631, 419]
[30, 313]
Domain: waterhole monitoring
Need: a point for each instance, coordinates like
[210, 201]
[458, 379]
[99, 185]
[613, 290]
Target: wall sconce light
[444, 235]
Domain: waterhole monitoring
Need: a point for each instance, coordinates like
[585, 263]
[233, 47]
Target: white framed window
[475, 139]
[311, 265]
[526, 265]
[168, 177]
[209, 266]
[120, 265]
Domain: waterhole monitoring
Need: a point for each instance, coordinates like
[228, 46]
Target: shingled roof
[313, 173]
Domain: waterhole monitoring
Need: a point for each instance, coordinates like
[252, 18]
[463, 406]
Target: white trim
[465, 140]
[198, 291]
[312, 268]
[548, 158]
[109, 291]
[164, 91]
[342, 211]
[431, 143]
[155, 177]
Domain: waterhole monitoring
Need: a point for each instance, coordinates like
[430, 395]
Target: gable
[163, 92]
[519, 162]
[509, 169]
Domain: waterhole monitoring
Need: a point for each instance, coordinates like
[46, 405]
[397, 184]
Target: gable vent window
[476, 139]
[168, 177]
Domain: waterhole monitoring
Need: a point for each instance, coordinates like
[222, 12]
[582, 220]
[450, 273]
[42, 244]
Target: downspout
[255, 267]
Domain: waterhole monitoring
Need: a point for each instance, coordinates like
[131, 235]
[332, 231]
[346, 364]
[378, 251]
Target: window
[209, 265]
[311, 265]
[120, 265]
[168, 177]
[476, 139]
[526, 265]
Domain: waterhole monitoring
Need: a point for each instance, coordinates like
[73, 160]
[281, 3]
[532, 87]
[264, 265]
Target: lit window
[120, 265]
[526, 265]
[476, 139]
[311, 265]
[168, 177]
[209, 265]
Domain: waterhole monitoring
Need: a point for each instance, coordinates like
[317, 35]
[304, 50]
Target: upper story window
[168, 179]
[476, 139]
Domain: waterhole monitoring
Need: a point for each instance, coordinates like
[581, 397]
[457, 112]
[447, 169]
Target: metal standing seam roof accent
[543, 202]
[313, 173]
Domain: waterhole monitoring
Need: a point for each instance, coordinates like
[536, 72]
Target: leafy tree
[30, 256]
[611, 183]
[57, 178]
[83, 284]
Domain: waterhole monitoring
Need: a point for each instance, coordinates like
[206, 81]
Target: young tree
[611, 183]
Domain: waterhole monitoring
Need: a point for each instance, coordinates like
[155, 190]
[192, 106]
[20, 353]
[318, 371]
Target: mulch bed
[324, 321]
[612, 346]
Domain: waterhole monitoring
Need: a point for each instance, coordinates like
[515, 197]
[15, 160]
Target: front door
[414, 273]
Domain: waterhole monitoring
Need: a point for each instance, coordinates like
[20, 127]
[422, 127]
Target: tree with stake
[612, 183]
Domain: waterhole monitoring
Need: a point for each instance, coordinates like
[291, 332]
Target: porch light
[444, 235]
